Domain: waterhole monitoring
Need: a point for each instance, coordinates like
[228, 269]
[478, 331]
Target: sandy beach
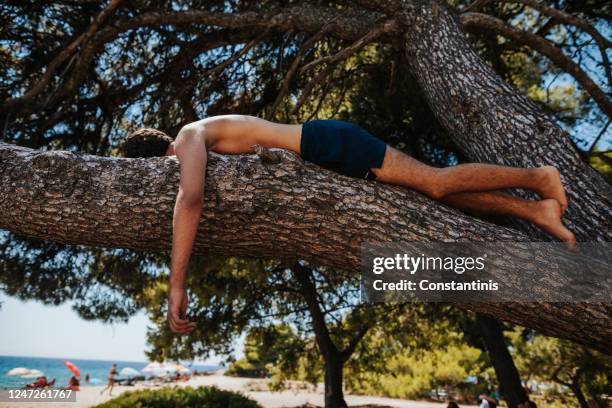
[254, 388]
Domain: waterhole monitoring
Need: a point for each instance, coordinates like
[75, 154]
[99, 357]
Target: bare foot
[551, 186]
[548, 218]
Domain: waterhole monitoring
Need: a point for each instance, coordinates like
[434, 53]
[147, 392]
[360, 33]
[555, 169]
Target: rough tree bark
[488, 119]
[491, 122]
[284, 210]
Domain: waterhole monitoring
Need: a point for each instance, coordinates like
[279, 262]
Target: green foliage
[104, 284]
[425, 350]
[225, 297]
[554, 361]
[243, 368]
[265, 347]
[415, 350]
[307, 366]
[413, 373]
[201, 397]
[602, 162]
[152, 76]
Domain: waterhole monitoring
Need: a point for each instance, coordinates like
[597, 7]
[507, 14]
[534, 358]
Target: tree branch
[62, 57]
[361, 332]
[309, 292]
[386, 27]
[349, 25]
[295, 64]
[475, 21]
[491, 122]
[254, 208]
[565, 18]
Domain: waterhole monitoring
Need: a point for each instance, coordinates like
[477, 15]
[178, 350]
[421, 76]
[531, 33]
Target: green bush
[187, 397]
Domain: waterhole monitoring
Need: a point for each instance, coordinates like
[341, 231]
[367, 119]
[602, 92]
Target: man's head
[147, 142]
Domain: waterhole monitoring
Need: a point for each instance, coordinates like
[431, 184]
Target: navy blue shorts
[342, 147]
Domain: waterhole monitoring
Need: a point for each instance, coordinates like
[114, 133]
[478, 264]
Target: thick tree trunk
[285, 210]
[334, 395]
[492, 122]
[582, 401]
[334, 361]
[488, 119]
[508, 377]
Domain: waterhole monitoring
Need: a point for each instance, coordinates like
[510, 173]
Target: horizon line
[102, 360]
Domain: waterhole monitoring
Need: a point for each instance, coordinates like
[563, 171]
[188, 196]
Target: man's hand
[177, 310]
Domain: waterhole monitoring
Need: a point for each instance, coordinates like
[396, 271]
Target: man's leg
[465, 187]
[401, 169]
[545, 213]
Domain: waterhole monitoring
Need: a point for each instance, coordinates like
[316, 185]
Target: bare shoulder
[190, 137]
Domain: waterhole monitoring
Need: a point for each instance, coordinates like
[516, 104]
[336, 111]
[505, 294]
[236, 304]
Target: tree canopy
[78, 76]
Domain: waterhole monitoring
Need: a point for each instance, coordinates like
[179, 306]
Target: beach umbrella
[155, 369]
[171, 367]
[129, 372]
[151, 367]
[181, 368]
[18, 371]
[32, 374]
[74, 369]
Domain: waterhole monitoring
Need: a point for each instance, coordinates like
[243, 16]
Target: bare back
[236, 134]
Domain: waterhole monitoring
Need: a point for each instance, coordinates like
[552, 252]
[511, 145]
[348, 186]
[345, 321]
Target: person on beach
[73, 384]
[346, 149]
[112, 373]
[41, 382]
[487, 401]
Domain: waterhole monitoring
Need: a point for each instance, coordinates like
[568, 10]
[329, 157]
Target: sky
[35, 330]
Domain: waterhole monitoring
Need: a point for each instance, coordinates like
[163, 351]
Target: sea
[55, 368]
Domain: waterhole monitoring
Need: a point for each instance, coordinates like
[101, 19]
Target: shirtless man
[346, 149]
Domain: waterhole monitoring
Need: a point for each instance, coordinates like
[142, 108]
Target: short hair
[146, 142]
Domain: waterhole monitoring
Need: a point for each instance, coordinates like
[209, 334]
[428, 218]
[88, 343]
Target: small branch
[350, 349]
[63, 56]
[266, 155]
[562, 17]
[348, 28]
[385, 27]
[544, 47]
[220, 67]
[319, 79]
[295, 64]
[601, 133]
[475, 6]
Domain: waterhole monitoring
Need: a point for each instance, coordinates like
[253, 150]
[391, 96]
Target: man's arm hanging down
[190, 149]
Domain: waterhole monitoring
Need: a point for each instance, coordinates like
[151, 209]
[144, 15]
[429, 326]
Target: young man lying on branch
[346, 149]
